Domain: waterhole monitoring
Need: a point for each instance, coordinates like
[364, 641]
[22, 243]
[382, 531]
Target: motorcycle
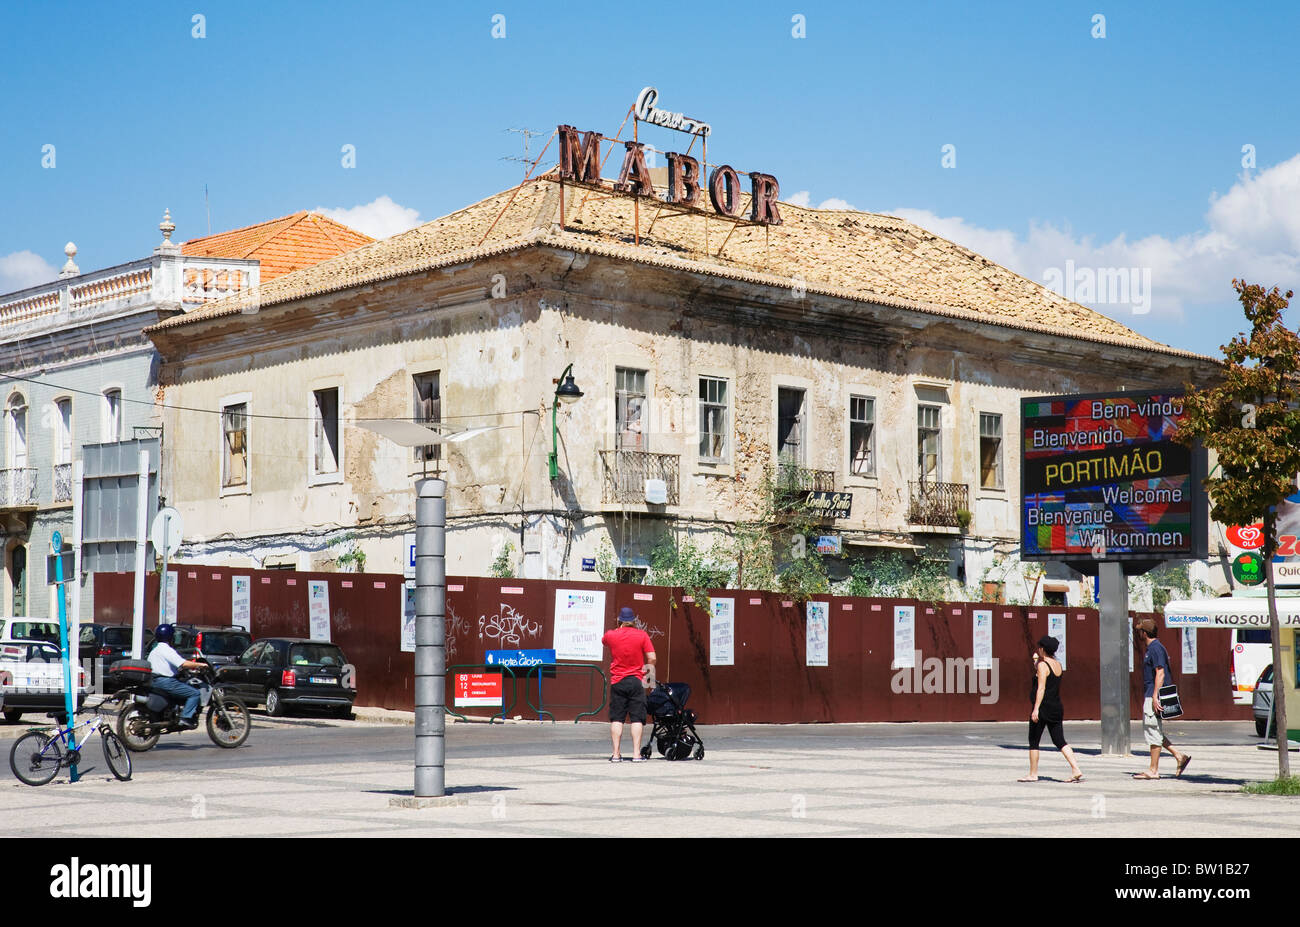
[146, 715]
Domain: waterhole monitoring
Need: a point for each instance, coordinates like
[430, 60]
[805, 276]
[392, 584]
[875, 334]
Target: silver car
[1262, 703]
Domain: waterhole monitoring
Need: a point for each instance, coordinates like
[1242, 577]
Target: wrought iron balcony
[18, 488]
[63, 482]
[791, 485]
[627, 471]
[938, 504]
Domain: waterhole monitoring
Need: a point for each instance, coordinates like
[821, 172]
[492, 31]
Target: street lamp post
[566, 392]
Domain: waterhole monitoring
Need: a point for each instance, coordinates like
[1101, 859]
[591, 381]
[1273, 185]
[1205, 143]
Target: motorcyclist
[165, 661]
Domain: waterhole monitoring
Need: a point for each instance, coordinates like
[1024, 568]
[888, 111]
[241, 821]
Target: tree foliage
[1251, 420]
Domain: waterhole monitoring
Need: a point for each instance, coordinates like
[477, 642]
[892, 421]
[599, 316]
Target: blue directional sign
[514, 658]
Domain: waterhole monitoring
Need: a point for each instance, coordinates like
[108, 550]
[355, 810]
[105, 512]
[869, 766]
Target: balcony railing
[63, 482]
[18, 488]
[937, 504]
[791, 485]
[627, 471]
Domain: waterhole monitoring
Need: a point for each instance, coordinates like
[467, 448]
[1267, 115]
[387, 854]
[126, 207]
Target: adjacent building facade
[77, 370]
[724, 365]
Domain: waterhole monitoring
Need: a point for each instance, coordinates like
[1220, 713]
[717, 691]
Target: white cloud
[22, 269]
[381, 218]
[1250, 232]
[804, 198]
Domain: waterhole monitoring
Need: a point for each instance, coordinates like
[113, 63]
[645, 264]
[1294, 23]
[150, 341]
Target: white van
[1252, 650]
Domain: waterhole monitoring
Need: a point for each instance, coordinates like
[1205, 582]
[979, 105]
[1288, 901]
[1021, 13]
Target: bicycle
[37, 757]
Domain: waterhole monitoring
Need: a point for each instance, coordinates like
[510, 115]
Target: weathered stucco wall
[498, 358]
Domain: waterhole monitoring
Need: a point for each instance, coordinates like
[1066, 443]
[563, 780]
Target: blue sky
[1122, 151]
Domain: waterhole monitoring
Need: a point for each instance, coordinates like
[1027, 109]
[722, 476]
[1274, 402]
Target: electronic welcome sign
[1102, 479]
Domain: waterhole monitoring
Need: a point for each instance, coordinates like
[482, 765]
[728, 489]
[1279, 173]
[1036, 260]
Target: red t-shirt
[628, 645]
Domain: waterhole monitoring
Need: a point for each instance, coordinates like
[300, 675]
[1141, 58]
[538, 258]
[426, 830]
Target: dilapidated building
[851, 356]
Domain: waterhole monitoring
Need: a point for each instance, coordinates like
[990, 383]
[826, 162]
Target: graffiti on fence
[508, 627]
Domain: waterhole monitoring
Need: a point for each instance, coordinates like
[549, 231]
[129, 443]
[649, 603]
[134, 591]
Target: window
[862, 436]
[428, 410]
[790, 447]
[928, 437]
[713, 419]
[629, 409]
[63, 425]
[325, 431]
[990, 451]
[234, 461]
[112, 428]
[1054, 597]
[634, 575]
[16, 432]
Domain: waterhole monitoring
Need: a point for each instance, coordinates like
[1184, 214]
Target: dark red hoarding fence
[769, 681]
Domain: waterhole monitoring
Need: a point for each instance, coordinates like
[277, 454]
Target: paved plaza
[309, 777]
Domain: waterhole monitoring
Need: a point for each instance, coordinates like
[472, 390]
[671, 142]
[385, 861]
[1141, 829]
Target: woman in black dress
[1048, 713]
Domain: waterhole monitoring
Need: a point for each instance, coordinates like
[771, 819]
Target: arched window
[112, 424]
[16, 432]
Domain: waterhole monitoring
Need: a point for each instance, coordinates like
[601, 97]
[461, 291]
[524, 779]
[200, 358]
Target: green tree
[1251, 419]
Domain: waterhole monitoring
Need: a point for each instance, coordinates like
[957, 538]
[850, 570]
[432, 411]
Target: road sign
[166, 531]
[515, 658]
[408, 565]
[478, 690]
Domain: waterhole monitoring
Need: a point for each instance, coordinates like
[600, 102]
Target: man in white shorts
[1155, 673]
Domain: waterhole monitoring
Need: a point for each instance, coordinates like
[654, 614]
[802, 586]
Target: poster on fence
[722, 632]
[408, 616]
[983, 631]
[579, 624]
[904, 637]
[817, 634]
[318, 608]
[1189, 650]
[1056, 629]
[173, 596]
[241, 601]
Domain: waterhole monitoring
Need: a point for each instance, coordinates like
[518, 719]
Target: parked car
[31, 679]
[218, 644]
[1263, 703]
[103, 645]
[285, 673]
[28, 629]
[1251, 649]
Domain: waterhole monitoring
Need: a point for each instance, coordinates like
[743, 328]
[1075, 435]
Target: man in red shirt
[627, 668]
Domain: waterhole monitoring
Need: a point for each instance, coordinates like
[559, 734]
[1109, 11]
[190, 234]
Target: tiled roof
[282, 245]
[853, 255]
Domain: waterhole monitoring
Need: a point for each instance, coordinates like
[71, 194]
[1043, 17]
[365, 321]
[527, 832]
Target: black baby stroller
[674, 730]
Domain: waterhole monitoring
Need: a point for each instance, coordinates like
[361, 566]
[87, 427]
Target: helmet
[165, 633]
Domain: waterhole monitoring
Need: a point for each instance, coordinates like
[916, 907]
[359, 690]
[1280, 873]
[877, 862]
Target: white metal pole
[74, 622]
[141, 526]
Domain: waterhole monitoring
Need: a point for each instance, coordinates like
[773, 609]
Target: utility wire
[283, 418]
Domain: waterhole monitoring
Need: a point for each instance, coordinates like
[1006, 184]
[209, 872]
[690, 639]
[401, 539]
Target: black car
[218, 644]
[285, 672]
[103, 645]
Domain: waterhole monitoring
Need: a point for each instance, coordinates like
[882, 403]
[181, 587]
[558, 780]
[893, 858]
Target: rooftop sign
[580, 163]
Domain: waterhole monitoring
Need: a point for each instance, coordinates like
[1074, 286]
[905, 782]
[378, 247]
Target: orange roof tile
[282, 245]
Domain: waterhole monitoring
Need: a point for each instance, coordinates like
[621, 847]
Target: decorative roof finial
[167, 226]
[70, 269]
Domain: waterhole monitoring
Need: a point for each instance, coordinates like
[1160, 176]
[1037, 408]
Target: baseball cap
[1147, 624]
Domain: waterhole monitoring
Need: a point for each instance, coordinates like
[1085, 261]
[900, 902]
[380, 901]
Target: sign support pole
[1114, 632]
[141, 543]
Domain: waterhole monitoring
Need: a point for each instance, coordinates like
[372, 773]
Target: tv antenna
[528, 135]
